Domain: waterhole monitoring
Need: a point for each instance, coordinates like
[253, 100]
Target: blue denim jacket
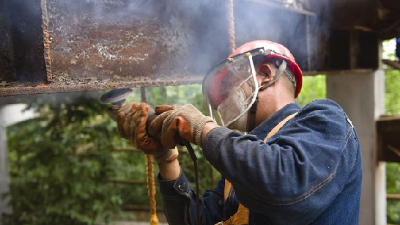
[307, 173]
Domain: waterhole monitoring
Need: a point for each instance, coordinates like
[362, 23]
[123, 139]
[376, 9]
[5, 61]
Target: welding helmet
[231, 87]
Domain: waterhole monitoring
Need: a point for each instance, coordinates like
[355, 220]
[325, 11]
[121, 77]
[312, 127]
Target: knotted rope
[231, 25]
[150, 177]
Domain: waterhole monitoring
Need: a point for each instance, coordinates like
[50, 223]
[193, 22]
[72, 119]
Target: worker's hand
[186, 121]
[132, 126]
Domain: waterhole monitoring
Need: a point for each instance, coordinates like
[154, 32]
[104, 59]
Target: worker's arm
[298, 172]
[179, 198]
[169, 170]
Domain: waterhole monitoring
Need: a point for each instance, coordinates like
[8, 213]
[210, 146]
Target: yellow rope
[151, 185]
[151, 190]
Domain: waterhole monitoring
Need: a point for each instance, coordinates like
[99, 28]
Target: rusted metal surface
[388, 143]
[99, 44]
[7, 67]
[27, 35]
[89, 84]
[87, 41]
[50, 46]
[119, 43]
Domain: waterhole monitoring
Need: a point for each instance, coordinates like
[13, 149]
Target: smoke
[254, 21]
[161, 40]
[197, 27]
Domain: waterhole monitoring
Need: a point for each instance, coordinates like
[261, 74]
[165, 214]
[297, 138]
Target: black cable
[184, 142]
[196, 175]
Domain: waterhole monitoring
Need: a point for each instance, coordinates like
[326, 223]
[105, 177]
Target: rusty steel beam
[51, 46]
[115, 41]
[64, 46]
[7, 68]
[89, 84]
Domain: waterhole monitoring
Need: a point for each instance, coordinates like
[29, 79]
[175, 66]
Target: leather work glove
[185, 121]
[132, 126]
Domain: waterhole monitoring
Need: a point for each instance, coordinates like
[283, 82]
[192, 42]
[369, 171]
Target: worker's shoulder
[323, 104]
[323, 108]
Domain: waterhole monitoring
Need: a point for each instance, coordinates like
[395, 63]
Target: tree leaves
[392, 106]
[61, 161]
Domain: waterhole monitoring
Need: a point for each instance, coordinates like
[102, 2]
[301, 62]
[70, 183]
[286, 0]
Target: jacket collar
[265, 127]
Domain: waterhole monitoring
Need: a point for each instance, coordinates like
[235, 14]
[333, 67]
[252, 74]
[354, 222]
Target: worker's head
[254, 70]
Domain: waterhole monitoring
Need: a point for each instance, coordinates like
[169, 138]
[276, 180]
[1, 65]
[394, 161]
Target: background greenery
[61, 162]
[392, 106]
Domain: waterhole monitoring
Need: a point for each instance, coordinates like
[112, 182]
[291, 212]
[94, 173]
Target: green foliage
[393, 187]
[392, 105]
[392, 102]
[314, 87]
[61, 162]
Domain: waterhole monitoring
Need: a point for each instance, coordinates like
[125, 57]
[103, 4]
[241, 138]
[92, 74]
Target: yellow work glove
[186, 121]
[132, 126]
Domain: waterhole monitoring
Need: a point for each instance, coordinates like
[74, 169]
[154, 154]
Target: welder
[287, 165]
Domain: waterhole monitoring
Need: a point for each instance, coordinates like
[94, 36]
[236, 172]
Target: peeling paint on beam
[98, 44]
[90, 85]
[114, 40]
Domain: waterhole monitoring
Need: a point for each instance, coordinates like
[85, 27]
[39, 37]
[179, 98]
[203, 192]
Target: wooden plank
[388, 142]
[392, 63]
[393, 197]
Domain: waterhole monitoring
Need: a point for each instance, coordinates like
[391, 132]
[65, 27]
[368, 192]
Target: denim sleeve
[300, 170]
[179, 202]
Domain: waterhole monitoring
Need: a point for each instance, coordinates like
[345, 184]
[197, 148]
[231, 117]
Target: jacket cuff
[174, 188]
[212, 142]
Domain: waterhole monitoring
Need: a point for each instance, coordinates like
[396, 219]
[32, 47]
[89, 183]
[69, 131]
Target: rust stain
[90, 85]
[46, 41]
[92, 46]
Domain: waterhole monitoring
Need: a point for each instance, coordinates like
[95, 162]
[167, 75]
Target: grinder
[117, 99]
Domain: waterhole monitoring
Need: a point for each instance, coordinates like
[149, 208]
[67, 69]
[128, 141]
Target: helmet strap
[251, 119]
[278, 73]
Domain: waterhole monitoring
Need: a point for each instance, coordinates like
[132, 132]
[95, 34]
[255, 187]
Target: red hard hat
[278, 52]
